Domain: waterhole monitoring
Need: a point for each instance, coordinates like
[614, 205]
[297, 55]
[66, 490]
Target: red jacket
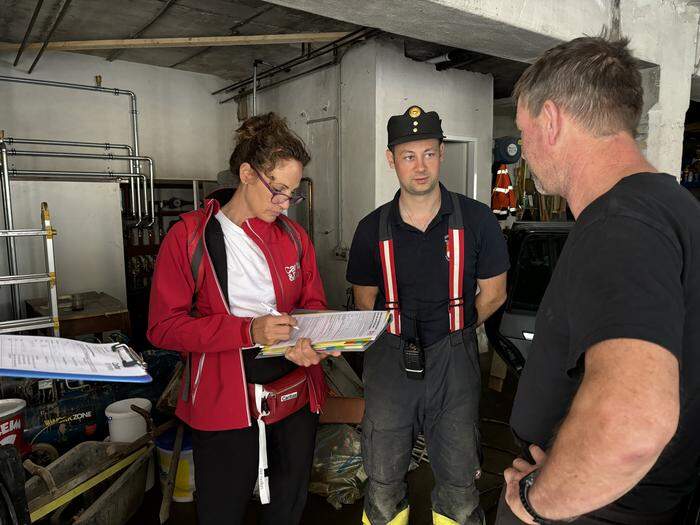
[503, 196]
[218, 397]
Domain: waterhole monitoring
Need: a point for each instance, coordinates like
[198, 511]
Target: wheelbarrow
[86, 466]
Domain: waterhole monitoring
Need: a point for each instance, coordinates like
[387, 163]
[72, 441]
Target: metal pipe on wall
[66, 155]
[243, 94]
[310, 213]
[255, 87]
[343, 41]
[81, 176]
[80, 144]
[9, 225]
[56, 23]
[28, 32]
[195, 194]
[133, 108]
[133, 105]
[339, 223]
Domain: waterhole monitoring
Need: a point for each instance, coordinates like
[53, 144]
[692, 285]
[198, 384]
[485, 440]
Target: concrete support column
[665, 33]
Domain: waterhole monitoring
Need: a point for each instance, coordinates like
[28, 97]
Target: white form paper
[328, 327]
[54, 356]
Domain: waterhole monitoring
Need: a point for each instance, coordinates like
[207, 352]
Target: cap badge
[414, 112]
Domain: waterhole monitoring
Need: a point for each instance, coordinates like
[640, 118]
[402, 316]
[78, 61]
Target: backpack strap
[386, 254]
[195, 253]
[286, 225]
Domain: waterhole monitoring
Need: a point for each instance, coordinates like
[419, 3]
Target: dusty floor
[498, 449]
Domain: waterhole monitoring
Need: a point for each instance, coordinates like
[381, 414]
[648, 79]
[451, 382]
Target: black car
[534, 249]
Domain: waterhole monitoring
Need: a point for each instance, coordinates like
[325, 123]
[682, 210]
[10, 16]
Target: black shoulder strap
[456, 221]
[384, 224]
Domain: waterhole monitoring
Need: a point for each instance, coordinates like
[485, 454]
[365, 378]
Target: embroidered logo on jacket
[292, 272]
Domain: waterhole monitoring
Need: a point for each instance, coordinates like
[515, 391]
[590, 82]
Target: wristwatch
[525, 484]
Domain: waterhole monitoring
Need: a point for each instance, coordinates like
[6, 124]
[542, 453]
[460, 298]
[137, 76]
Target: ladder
[49, 277]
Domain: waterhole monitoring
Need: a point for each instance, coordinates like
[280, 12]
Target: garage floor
[498, 448]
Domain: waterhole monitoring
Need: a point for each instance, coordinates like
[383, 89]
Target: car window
[558, 241]
[532, 272]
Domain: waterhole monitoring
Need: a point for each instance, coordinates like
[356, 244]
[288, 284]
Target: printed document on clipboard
[58, 358]
[351, 331]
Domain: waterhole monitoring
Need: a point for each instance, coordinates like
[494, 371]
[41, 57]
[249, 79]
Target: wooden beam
[197, 41]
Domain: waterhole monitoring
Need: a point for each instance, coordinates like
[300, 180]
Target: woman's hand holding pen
[271, 329]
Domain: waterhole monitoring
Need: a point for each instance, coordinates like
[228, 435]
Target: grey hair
[594, 79]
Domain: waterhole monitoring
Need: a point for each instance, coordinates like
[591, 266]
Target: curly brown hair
[264, 140]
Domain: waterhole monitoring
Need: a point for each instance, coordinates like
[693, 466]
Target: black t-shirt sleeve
[493, 252]
[362, 266]
[625, 282]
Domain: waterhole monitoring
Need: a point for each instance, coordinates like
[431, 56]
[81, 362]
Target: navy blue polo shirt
[422, 267]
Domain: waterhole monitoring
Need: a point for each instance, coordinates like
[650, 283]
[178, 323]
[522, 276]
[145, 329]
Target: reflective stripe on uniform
[439, 519]
[400, 519]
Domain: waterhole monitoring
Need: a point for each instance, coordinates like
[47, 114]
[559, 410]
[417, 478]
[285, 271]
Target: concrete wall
[88, 248]
[377, 81]
[464, 101]
[181, 126]
[310, 105]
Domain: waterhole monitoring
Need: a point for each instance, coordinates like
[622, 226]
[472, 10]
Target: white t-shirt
[249, 279]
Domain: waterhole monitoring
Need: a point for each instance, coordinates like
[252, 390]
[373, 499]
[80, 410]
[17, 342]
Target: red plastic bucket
[12, 423]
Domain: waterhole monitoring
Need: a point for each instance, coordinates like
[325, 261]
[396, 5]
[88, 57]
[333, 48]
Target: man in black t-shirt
[608, 405]
[421, 256]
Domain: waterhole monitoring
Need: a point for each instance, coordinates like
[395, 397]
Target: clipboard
[126, 366]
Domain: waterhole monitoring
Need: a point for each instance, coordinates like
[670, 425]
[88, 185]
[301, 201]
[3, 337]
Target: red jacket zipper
[271, 260]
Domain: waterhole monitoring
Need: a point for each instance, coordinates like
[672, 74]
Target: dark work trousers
[226, 469]
[444, 405]
[610, 515]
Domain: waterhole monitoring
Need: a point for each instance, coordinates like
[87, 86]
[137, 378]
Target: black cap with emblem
[415, 124]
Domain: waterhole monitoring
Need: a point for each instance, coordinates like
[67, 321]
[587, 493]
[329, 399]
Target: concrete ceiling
[118, 19]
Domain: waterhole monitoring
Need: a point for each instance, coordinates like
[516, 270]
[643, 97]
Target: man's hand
[303, 354]
[271, 329]
[513, 475]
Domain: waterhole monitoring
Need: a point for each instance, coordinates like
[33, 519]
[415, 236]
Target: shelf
[134, 251]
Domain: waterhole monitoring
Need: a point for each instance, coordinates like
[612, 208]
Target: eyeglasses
[278, 197]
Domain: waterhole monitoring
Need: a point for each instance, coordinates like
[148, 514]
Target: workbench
[101, 313]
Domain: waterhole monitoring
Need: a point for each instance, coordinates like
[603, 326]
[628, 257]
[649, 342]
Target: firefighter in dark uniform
[422, 256]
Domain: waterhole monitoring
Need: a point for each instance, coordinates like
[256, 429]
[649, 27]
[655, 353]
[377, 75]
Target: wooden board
[196, 41]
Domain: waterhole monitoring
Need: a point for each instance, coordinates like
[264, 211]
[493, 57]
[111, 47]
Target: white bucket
[125, 425]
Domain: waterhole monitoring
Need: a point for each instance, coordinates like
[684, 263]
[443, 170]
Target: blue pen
[270, 310]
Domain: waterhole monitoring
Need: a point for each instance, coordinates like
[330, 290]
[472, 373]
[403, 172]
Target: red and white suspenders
[455, 255]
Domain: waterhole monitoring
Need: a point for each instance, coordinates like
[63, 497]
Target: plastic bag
[337, 471]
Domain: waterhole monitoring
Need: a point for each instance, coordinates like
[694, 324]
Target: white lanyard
[263, 479]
